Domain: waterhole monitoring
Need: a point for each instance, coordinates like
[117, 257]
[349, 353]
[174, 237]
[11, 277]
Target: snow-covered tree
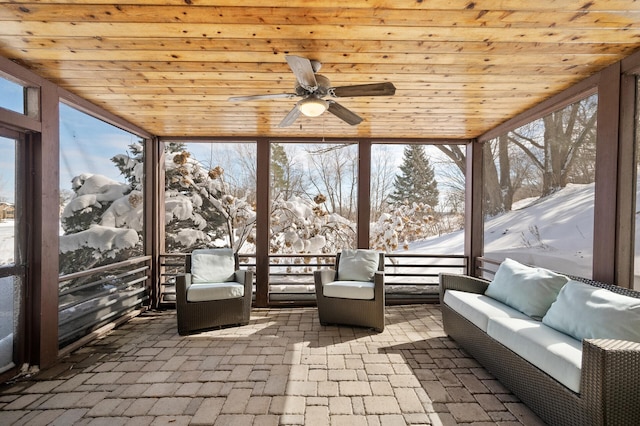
[300, 226]
[416, 182]
[200, 210]
[103, 221]
[403, 224]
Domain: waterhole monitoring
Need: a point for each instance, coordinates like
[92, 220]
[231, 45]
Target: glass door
[12, 251]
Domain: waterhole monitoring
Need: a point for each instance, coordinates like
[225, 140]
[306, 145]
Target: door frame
[22, 258]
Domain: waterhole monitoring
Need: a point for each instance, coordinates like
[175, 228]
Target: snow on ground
[6, 242]
[556, 232]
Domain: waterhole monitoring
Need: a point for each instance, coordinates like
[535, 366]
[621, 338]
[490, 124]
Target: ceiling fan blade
[344, 114]
[261, 97]
[290, 118]
[374, 89]
[303, 71]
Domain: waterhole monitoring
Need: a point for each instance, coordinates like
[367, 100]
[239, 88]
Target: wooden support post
[364, 192]
[606, 184]
[262, 221]
[474, 225]
[44, 271]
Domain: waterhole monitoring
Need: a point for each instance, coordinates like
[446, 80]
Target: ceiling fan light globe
[313, 107]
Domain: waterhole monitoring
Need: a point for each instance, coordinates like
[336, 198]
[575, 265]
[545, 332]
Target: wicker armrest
[463, 283]
[322, 276]
[245, 278]
[378, 285]
[611, 378]
[183, 282]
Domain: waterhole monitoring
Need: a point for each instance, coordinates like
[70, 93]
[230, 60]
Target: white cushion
[584, 311]
[358, 265]
[362, 290]
[555, 353]
[212, 265]
[529, 290]
[478, 308]
[214, 291]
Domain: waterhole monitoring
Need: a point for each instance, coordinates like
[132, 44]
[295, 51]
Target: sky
[85, 144]
[7, 170]
[11, 96]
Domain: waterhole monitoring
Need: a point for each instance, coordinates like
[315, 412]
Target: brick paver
[283, 368]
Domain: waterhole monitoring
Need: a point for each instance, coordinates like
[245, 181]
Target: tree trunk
[506, 188]
[492, 194]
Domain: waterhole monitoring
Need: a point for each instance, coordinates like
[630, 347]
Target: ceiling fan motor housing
[322, 89]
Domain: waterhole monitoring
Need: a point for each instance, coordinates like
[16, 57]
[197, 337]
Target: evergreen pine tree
[279, 172]
[416, 183]
[105, 213]
[286, 177]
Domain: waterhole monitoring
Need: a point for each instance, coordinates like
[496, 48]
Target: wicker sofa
[608, 375]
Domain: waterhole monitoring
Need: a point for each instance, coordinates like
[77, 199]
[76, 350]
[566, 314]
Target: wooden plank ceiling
[460, 67]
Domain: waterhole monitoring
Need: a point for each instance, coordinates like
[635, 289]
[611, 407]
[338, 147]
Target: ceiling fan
[313, 88]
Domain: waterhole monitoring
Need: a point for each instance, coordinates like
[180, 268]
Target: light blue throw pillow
[587, 312]
[527, 289]
[358, 265]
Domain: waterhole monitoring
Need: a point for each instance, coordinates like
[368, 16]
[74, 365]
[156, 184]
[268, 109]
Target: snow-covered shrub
[103, 221]
[402, 225]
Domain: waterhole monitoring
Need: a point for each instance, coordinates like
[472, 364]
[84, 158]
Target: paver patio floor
[284, 368]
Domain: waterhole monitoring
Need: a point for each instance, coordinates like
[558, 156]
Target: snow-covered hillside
[554, 232]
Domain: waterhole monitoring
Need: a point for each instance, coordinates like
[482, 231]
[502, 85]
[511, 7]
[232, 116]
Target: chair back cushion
[358, 265]
[212, 265]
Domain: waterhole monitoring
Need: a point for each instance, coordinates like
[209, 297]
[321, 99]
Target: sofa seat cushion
[202, 292]
[362, 290]
[555, 353]
[478, 308]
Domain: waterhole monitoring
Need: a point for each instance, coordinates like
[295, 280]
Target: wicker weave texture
[610, 375]
[362, 313]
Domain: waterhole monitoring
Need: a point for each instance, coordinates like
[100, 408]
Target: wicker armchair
[213, 292]
[341, 299]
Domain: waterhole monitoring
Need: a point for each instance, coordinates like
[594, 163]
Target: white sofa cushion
[362, 290]
[555, 353]
[358, 265]
[478, 308]
[203, 292]
[212, 265]
[584, 311]
[529, 290]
